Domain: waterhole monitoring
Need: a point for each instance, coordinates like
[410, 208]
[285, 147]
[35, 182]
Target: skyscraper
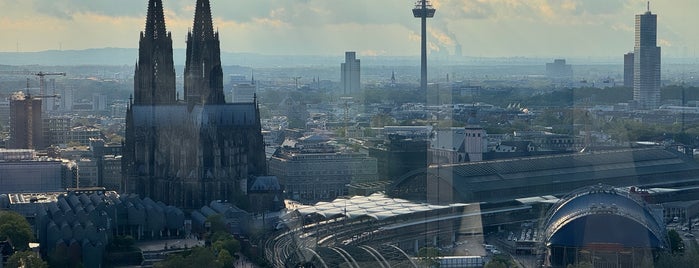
[25, 122]
[350, 71]
[188, 153]
[646, 64]
[628, 69]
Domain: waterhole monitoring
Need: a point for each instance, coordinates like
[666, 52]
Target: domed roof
[603, 215]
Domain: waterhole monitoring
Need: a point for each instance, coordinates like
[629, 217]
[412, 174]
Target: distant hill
[129, 56]
[98, 56]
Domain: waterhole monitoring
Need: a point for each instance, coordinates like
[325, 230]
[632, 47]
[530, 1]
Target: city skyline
[481, 28]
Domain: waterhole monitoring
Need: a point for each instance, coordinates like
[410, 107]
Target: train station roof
[377, 206]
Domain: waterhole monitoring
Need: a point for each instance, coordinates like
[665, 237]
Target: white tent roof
[377, 206]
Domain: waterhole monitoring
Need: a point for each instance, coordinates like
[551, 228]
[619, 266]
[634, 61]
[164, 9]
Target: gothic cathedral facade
[188, 152]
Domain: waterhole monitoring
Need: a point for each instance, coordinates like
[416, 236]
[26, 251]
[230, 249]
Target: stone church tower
[203, 76]
[154, 78]
[188, 152]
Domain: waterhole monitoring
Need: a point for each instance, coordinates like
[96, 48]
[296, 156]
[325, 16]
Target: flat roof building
[320, 172]
[44, 175]
[500, 180]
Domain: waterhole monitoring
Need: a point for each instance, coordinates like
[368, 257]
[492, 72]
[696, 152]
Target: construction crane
[42, 83]
[296, 79]
[40, 74]
[42, 90]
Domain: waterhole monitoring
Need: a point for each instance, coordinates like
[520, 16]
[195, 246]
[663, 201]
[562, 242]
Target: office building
[25, 122]
[558, 69]
[350, 71]
[88, 173]
[646, 68]
[319, 172]
[399, 155]
[5, 112]
[57, 129]
[21, 171]
[628, 69]
[243, 92]
[66, 101]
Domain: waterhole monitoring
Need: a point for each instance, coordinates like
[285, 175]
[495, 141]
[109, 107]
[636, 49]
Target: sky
[483, 28]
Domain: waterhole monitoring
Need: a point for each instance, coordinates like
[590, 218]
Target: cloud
[482, 27]
[372, 52]
[67, 9]
[440, 37]
[623, 27]
[413, 36]
[664, 43]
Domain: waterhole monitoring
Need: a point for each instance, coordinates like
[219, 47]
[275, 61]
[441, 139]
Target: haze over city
[483, 28]
[317, 133]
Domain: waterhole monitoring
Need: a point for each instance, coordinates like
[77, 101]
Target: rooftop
[25, 198]
[377, 206]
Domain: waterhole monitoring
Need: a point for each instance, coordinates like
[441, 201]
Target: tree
[225, 258]
[229, 244]
[197, 257]
[122, 242]
[15, 228]
[688, 259]
[26, 259]
[217, 223]
[495, 264]
[429, 256]
[676, 244]
[501, 261]
[172, 261]
[580, 265]
[202, 257]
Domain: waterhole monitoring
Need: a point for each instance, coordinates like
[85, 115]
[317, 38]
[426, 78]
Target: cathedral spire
[154, 75]
[155, 20]
[203, 75]
[203, 24]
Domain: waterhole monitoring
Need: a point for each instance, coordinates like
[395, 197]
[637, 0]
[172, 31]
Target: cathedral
[188, 152]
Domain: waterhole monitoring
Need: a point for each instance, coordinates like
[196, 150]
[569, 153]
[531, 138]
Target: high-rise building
[66, 101]
[558, 69]
[350, 71]
[188, 153]
[628, 69]
[646, 68]
[26, 130]
[243, 91]
[5, 112]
